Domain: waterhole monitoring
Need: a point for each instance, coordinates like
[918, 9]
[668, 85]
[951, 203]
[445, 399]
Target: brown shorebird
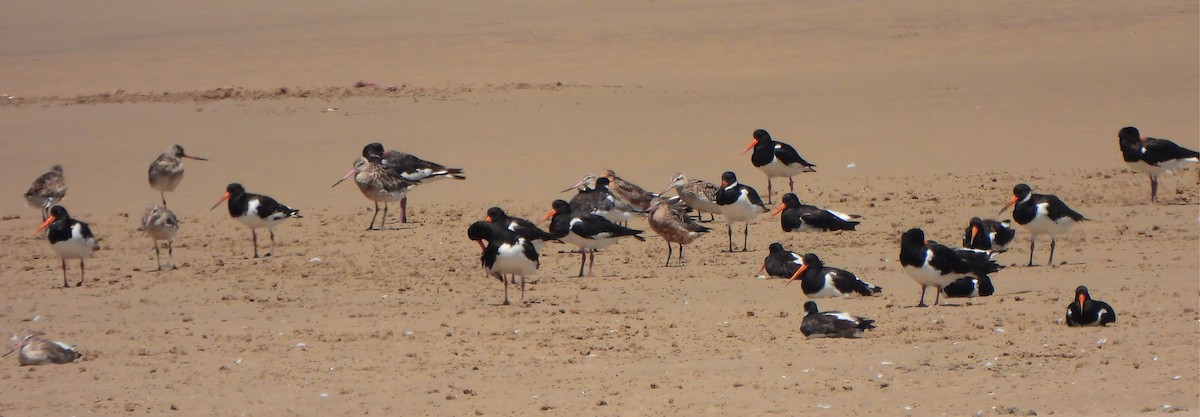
[47, 190]
[674, 225]
[697, 194]
[70, 238]
[378, 184]
[627, 190]
[410, 168]
[167, 170]
[33, 350]
[159, 223]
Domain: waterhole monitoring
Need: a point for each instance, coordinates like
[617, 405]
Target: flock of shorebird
[594, 218]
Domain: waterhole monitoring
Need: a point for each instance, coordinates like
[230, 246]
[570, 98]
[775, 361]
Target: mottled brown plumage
[166, 171]
[47, 190]
[627, 190]
[669, 220]
[697, 194]
[160, 223]
[33, 350]
[378, 184]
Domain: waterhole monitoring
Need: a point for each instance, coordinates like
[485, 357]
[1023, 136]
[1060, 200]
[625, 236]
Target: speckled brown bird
[47, 190]
[628, 190]
[674, 225]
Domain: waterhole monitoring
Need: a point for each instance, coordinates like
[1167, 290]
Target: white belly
[828, 290]
[779, 169]
[927, 275]
[741, 210]
[512, 260]
[1042, 225]
[579, 241]
[74, 248]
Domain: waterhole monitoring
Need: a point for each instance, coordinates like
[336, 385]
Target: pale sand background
[941, 107]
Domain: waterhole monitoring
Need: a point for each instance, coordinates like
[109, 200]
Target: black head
[1130, 134]
[59, 213]
[776, 247]
[728, 178]
[561, 207]
[234, 189]
[373, 150]
[762, 136]
[914, 237]
[602, 182]
[976, 222]
[496, 214]
[811, 307]
[479, 231]
[1021, 191]
[812, 261]
[791, 200]
[1082, 291]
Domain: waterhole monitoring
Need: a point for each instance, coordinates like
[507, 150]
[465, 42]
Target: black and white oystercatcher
[832, 323]
[1084, 311]
[933, 264]
[167, 170]
[255, 211]
[820, 281]
[988, 234]
[70, 238]
[776, 159]
[800, 217]
[1041, 214]
[410, 168]
[739, 203]
[47, 190]
[780, 262]
[521, 227]
[505, 253]
[601, 200]
[1153, 156]
[587, 231]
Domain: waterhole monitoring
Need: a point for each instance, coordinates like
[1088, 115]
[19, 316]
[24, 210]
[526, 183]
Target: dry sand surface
[918, 114]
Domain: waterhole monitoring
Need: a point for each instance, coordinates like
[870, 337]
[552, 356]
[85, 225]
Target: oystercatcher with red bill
[832, 323]
[780, 262]
[1084, 311]
[800, 217]
[601, 200]
[410, 168]
[587, 231]
[256, 211]
[70, 239]
[167, 170]
[776, 159]
[1041, 214]
[1153, 156]
[820, 281]
[988, 234]
[505, 253]
[521, 227]
[932, 264]
[739, 203]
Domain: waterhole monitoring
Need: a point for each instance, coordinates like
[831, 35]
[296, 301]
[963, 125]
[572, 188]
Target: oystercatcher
[255, 211]
[1041, 214]
[933, 264]
[988, 234]
[521, 227]
[587, 231]
[776, 159]
[505, 253]
[969, 288]
[601, 200]
[47, 190]
[820, 281]
[70, 238]
[160, 223]
[780, 262]
[1084, 311]
[674, 225]
[167, 170]
[801, 217]
[698, 194]
[34, 350]
[1153, 156]
[832, 323]
[410, 168]
[377, 184]
[739, 203]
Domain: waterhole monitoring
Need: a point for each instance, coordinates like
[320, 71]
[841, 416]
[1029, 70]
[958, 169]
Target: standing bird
[801, 217]
[34, 350]
[738, 203]
[675, 226]
[601, 200]
[410, 168]
[933, 264]
[1041, 214]
[629, 191]
[255, 211]
[505, 253]
[47, 190]
[1153, 156]
[70, 238]
[776, 159]
[377, 184]
[587, 231]
[698, 194]
[820, 281]
[988, 234]
[160, 223]
[1084, 311]
[832, 323]
[167, 170]
[521, 227]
